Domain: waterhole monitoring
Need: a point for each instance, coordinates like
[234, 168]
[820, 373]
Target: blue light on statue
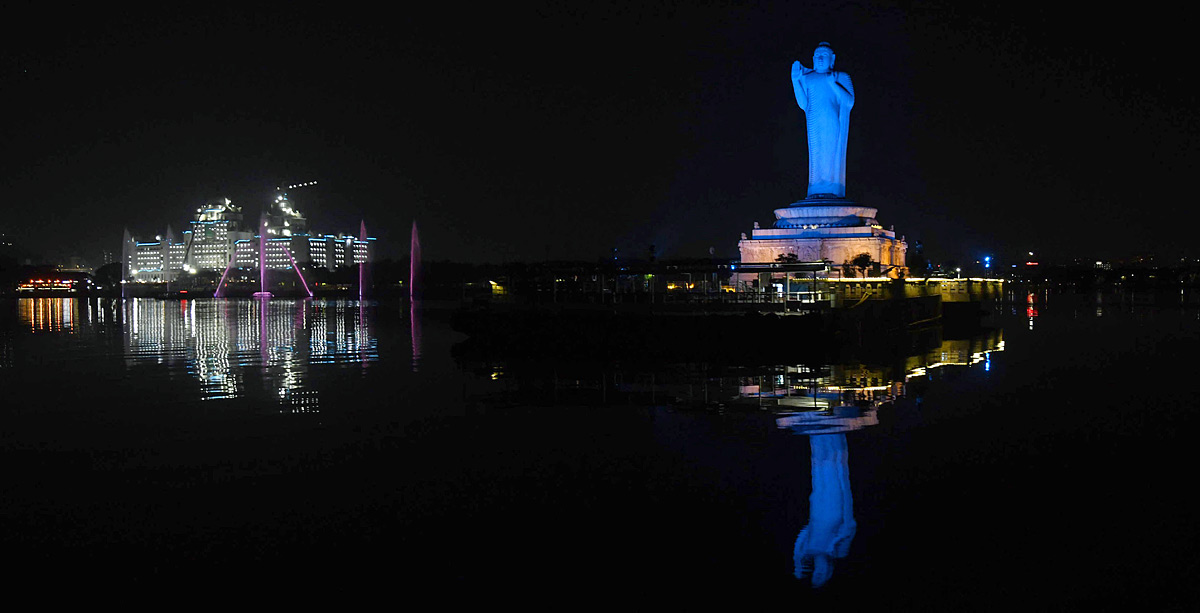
[987, 261]
[826, 96]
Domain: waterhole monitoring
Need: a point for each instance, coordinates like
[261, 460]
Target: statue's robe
[826, 99]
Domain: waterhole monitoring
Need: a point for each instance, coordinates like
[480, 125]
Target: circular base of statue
[826, 213]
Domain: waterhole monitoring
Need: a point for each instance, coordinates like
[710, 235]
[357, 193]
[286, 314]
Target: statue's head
[823, 58]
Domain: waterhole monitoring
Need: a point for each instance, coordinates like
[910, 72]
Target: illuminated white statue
[826, 97]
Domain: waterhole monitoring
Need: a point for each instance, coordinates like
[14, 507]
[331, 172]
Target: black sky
[523, 131]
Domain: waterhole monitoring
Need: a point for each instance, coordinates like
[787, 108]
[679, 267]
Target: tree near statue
[862, 262]
[826, 96]
[108, 275]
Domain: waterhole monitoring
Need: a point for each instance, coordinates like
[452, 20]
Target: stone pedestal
[834, 230]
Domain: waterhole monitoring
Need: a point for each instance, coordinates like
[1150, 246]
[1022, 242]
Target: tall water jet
[262, 259]
[296, 267]
[169, 239]
[414, 264]
[127, 249]
[362, 266]
[225, 275]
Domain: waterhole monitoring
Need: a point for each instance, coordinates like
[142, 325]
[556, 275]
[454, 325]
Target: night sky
[527, 131]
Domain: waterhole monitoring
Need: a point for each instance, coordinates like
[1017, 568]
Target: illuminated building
[286, 227]
[215, 230]
[219, 238]
[55, 283]
[157, 261]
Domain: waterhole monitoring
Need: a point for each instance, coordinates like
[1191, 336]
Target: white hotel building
[218, 238]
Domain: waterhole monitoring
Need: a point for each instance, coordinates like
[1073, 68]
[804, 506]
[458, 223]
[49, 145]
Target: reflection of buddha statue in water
[831, 524]
[826, 97]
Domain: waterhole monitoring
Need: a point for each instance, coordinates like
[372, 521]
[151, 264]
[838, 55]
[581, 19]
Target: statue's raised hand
[798, 69]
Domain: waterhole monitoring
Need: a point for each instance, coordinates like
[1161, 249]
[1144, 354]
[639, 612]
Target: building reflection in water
[49, 314]
[64, 317]
[822, 402]
[224, 344]
[219, 342]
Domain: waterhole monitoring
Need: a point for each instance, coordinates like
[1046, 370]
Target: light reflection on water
[49, 314]
[251, 348]
[221, 343]
[754, 457]
[823, 402]
[799, 387]
[827, 405]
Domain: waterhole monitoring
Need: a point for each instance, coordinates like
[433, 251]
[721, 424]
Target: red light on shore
[1031, 263]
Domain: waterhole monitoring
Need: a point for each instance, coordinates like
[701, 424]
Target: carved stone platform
[834, 230]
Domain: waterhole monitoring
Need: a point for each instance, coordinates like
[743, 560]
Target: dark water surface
[1046, 459]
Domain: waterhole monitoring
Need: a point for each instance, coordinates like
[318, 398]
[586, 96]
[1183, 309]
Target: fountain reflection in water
[414, 267]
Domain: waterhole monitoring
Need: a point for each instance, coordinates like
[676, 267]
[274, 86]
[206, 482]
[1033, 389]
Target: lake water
[1043, 459]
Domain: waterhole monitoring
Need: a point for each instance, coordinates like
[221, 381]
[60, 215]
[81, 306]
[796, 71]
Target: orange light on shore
[47, 284]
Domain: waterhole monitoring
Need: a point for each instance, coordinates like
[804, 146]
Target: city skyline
[538, 132]
[220, 238]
